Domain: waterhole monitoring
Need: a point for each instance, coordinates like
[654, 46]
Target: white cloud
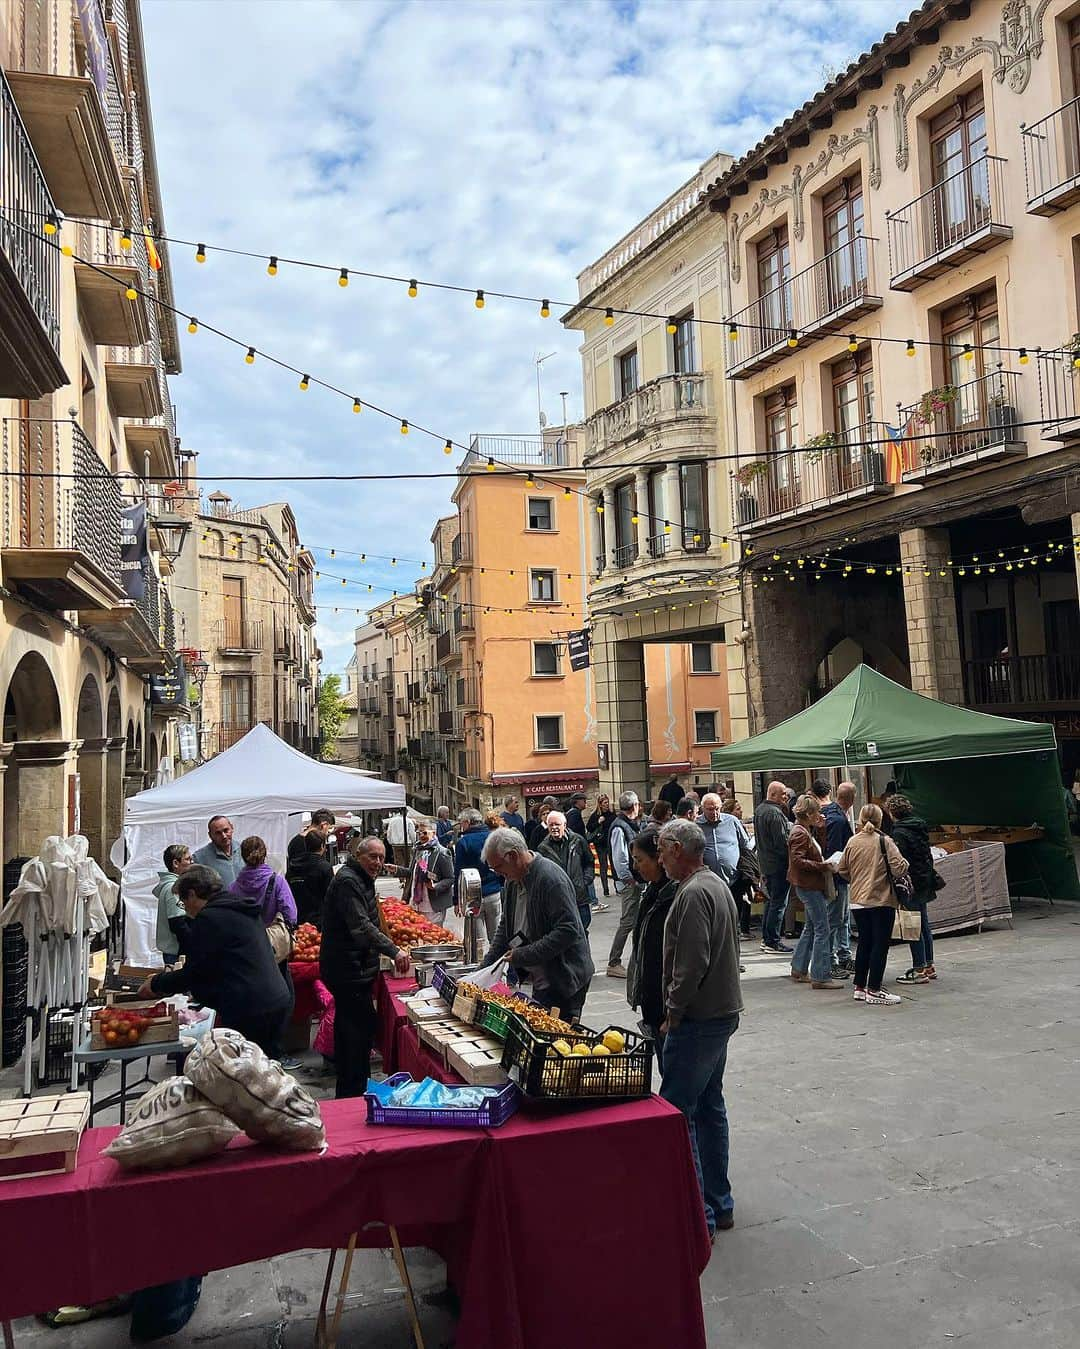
[503, 145]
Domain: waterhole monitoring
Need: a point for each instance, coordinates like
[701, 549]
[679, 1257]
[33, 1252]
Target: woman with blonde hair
[871, 864]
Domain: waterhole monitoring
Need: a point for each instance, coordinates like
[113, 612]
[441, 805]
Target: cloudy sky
[503, 144]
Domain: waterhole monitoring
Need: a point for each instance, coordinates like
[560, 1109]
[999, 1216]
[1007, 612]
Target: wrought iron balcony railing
[961, 422]
[1052, 160]
[962, 215]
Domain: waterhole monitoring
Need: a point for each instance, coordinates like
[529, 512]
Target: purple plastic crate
[496, 1110]
[445, 983]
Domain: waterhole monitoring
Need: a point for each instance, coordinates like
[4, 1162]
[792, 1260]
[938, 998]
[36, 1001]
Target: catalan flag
[153, 254]
[900, 455]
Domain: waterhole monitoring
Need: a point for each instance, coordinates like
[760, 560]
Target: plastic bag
[489, 977]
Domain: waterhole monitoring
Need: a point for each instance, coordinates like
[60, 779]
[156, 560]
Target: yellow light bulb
[343, 279]
[667, 527]
[404, 427]
[412, 289]
[125, 241]
[448, 448]
[304, 383]
[271, 267]
[968, 354]
[131, 293]
[490, 468]
[51, 225]
[733, 332]
[910, 348]
[853, 343]
[567, 493]
[357, 406]
[66, 249]
[193, 325]
[479, 301]
[672, 326]
[545, 309]
[200, 253]
[793, 339]
[609, 316]
[250, 357]
[1023, 358]
[633, 519]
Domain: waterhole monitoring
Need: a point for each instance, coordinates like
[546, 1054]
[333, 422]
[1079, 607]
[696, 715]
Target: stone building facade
[86, 425]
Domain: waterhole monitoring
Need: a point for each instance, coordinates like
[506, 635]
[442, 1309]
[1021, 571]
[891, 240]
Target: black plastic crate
[16, 965]
[544, 1074]
[59, 1040]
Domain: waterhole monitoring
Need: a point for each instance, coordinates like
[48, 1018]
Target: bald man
[771, 829]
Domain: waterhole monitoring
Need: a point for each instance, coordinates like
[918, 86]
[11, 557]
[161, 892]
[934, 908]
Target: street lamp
[197, 668]
[171, 531]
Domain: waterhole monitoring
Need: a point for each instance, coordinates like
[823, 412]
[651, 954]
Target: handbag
[901, 886]
[748, 864]
[277, 932]
[907, 925]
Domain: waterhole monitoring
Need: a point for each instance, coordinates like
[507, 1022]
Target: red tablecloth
[581, 1229]
[390, 1015]
[309, 1002]
[416, 1059]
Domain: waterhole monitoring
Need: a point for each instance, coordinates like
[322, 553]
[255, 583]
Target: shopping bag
[491, 976]
[907, 925]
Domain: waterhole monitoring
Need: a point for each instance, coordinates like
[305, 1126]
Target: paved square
[906, 1176]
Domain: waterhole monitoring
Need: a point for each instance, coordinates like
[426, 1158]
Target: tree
[331, 715]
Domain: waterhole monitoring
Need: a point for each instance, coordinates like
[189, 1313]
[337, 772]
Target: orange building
[509, 585]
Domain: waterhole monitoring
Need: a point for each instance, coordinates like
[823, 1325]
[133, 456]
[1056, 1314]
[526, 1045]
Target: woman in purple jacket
[257, 880]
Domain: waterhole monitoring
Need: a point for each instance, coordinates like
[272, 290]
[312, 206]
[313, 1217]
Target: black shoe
[724, 1223]
[846, 963]
[839, 972]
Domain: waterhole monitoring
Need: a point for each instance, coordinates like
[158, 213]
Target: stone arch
[31, 636]
[35, 784]
[114, 717]
[844, 653]
[89, 710]
[92, 763]
[32, 701]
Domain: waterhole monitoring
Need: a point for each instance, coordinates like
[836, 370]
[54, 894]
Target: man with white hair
[724, 837]
[702, 1002]
[569, 850]
[540, 929]
[624, 829]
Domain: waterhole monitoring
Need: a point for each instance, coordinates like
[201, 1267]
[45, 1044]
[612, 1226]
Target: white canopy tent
[262, 784]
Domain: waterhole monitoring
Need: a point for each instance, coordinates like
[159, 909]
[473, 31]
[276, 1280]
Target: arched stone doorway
[38, 758]
[92, 764]
[114, 790]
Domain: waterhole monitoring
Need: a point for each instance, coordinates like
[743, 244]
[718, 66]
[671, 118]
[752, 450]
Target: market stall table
[579, 1229]
[976, 889]
[175, 1050]
[390, 1014]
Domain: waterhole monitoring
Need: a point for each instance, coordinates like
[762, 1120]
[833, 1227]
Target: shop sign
[169, 689]
[577, 644]
[556, 786]
[133, 551]
[603, 757]
[1066, 724]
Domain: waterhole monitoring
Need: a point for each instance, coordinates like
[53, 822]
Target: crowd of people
[685, 877]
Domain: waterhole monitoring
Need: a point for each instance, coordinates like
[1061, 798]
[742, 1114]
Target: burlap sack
[171, 1125]
[255, 1092]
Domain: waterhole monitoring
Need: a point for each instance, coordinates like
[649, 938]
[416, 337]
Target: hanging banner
[169, 689]
[577, 644]
[189, 746]
[133, 552]
[96, 43]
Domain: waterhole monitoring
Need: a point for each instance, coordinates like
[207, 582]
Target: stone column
[597, 533]
[672, 508]
[930, 605]
[7, 848]
[645, 526]
[609, 525]
[93, 788]
[114, 799]
[44, 767]
[620, 712]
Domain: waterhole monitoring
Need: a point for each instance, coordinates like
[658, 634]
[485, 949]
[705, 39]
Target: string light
[343, 279]
[672, 326]
[910, 349]
[1023, 358]
[131, 293]
[853, 343]
[545, 309]
[250, 357]
[609, 316]
[413, 289]
[51, 223]
[304, 383]
[479, 301]
[404, 427]
[733, 332]
[193, 325]
[793, 339]
[490, 465]
[967, 353]
[125, 241]
[200, 253]
[357, 406]
[448, 448]
[271, 269]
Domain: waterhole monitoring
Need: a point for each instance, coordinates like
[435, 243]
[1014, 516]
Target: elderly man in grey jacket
[702, 999]
[540, 928]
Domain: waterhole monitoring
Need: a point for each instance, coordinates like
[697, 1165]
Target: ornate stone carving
[1020, 41]
[837, 146]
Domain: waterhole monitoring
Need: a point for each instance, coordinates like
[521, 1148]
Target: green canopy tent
[870, 720]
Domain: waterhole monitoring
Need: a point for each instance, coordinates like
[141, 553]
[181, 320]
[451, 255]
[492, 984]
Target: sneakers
[846, 963]
[859, 995]
[290, 1063]
[930, 972]
[882, 999]
[839, 972]
[778, 950]
[616, 971]
[913, 977]
[829, 983]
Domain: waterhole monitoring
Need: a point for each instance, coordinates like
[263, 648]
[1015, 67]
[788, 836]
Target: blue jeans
[840, 922]
[772, 920]
[692, 1060]
[922, 951]
[813, 953]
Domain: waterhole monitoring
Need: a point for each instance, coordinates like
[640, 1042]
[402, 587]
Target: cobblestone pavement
[904, 1175]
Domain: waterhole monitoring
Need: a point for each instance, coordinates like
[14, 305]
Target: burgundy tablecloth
[390, 1015]
[309, 1000]
[577, 1230]
[416, 1059]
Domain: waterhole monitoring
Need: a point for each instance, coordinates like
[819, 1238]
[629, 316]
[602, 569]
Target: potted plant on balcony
[746, 475]
[935, 401]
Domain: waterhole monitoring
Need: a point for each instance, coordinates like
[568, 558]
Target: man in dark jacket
[309, 878]
[431, 876]
[570, 851]
[540, 926]
[671, 792]
[322, 822]
[771, 830]
[912, 836]
[228, 963]
[468, 852]
[575, 820]
[352, 942]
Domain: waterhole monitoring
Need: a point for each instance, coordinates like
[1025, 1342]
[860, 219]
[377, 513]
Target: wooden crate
[162, 1030]
[423, 1008]
[40, 1128]
[434, 1035]
[479, 1064]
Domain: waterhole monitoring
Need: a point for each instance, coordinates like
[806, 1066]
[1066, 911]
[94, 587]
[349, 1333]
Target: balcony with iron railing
[1049, 681]
[963, 215]
[624, 554]
[463, 618]
[240, 636]
[414, 690]
[851, 466]
[432, 747]
[1059, 401]
[61, 534]
[1052, 160]
[447, 647]
[823, 298]
[461, 549]
[226, 733]
[466, 690]
[450, 723]
[677, 409]
[554, 449]
[30, 365]
[961, 426]
[103, 274]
